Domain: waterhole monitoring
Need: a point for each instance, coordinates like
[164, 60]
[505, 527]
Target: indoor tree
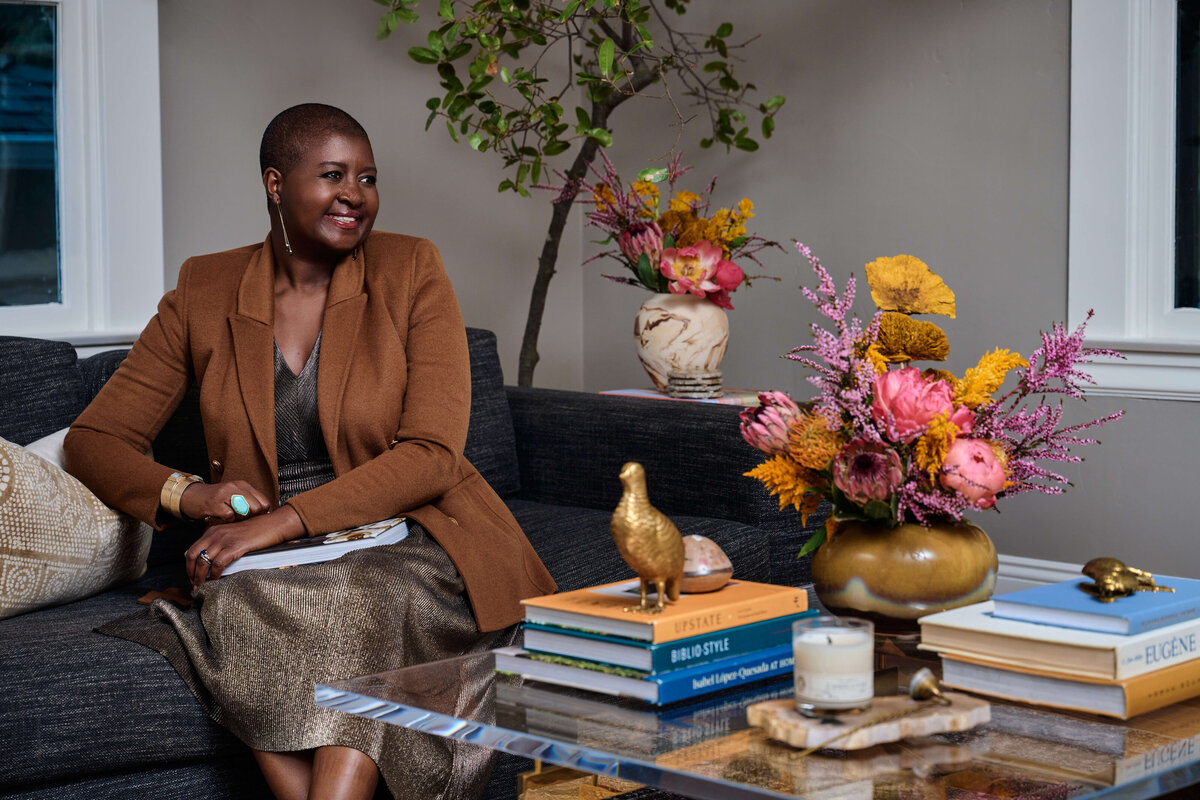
[529, 79]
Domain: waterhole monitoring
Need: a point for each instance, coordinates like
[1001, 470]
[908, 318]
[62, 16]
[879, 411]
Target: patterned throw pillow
[58, 542]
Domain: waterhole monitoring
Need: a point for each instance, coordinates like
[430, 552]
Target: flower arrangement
[888, 442]
[682, 249]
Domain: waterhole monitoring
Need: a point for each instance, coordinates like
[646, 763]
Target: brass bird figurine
[647, 540]
[1113, 578]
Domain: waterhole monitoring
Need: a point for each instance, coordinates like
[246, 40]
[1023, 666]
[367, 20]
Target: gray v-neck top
[299, 446]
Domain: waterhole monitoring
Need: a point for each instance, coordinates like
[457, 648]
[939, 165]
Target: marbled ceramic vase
[680, 333]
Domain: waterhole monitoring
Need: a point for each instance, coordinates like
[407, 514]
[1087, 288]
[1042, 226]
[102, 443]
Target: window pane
[29, 244]
[1187, 158]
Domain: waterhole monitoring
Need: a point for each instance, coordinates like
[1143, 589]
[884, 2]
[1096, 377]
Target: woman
[335, 391]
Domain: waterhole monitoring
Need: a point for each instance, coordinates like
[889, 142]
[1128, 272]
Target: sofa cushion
[41, 389]
[78, 704]
[58, 542]
[491, 443]
[576, 546]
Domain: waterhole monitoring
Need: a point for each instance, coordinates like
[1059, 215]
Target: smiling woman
[285, 340]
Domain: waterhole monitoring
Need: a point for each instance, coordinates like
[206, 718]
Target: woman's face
[329, 199]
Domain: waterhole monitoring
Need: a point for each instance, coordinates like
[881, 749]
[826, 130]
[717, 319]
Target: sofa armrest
[571, 446]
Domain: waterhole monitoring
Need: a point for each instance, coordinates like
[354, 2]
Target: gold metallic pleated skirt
[254, 644]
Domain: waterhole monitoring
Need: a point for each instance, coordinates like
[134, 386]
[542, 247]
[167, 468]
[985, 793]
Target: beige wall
[936, 127]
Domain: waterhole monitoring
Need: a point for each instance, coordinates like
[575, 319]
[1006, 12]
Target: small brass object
[647, 540]
[925, 686]
[1113, 579]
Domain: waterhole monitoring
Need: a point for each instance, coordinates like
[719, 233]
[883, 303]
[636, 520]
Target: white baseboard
[1019, 572]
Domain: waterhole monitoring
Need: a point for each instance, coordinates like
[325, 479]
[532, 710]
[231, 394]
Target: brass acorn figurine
[647, 540]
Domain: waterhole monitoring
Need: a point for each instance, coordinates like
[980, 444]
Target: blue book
[1067, 605]
[667, 687]
[665, 656]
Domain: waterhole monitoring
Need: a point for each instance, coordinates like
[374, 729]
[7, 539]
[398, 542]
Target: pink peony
[866, 470]
[766, 427]
[639, 238]
[905, 402]
[701, 270]
[973, 469]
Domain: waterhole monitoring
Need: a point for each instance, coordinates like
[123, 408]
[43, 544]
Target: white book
[315, 549]
[973, 632]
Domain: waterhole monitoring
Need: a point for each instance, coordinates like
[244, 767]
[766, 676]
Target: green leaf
[745, 143]
[423, 55]
[406, 15]
[877, 509]
[453, 133]
[813, 543]
[384, 30]
[715, 66]
[475, 140]
[775, 102]
[646, 273]
[522, 173]
[504, 76]
[585, 120]
[537, 171]
[644, 32]
[706, 143]
[668, 241]
[602, 136]
[458, 51]
[606, 52]
[569, 10]
[432, 117]
[446, 10]
[768, 127]
[433, 103]
[725, 30]
[654, 174]
[556, 147]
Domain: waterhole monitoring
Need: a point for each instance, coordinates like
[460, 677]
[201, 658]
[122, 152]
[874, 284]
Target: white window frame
[110, 176]
[1122, 212]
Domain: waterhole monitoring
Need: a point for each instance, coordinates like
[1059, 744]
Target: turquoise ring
[239, 505]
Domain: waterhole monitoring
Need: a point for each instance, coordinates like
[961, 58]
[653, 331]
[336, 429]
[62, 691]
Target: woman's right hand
[214, 502]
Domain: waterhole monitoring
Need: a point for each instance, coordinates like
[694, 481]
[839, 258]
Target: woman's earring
[287, 245]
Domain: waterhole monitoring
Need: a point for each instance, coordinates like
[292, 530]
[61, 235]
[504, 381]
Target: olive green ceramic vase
[893, 576]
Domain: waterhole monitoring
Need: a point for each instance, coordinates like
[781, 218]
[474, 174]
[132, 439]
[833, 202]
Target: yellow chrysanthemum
[645, 195]
[684, 202]
[604, 195]
[980, 382]
[907, 284]
[878, 362]
[790, 482]
[932, 374]
[810, 442]
[930, 452]
[903, 339]
[745, 208]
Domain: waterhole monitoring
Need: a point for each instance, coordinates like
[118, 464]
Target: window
[1123, 199]
[80, 169]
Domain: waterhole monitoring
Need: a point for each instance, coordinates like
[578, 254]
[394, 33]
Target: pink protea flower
[975, 470]
[639, 238]
[766, 427]
[867, 470]
[701, 270]
[905, 401]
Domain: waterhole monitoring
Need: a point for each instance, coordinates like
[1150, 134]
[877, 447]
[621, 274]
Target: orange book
[602, 609]
[1122, 699]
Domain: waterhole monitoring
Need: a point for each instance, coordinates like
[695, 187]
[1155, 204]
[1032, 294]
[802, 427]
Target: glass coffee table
[704, 749]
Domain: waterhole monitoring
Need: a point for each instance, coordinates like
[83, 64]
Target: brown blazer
[393, 392]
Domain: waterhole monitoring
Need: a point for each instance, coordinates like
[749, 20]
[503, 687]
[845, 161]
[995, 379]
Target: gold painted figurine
[647, 540]
[1112, 579]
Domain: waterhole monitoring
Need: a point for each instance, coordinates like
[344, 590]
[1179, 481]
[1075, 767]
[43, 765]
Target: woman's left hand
[222, 544]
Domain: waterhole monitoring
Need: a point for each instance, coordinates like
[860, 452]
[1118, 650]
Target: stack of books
[1059, 646]
[701, 643]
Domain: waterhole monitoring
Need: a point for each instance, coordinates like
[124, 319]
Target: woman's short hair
[294, 129]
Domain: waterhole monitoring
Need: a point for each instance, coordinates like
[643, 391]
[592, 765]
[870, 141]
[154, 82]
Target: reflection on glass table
[705, 749]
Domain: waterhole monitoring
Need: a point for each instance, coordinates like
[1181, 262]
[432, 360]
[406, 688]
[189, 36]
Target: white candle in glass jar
[835, 663]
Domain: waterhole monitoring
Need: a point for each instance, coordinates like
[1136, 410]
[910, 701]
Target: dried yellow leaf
[907, 284]
[903, 339]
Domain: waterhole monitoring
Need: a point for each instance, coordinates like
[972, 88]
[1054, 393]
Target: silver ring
[204, 557]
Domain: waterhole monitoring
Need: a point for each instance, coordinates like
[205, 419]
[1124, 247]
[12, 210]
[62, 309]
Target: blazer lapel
[254, 350]
[343, 316]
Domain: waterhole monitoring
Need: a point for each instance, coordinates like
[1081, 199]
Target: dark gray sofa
[85, 715]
